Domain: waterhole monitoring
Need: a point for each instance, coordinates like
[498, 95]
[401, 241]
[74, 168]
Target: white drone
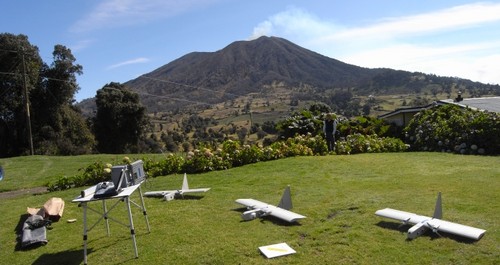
[169, 195]
[259, 209]
[423, 223]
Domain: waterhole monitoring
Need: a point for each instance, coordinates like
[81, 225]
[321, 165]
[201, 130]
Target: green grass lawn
[338, 194]
[34, 171]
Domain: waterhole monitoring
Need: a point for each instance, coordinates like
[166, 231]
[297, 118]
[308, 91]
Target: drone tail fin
[286, 200]
[438, 211]
[185, 185]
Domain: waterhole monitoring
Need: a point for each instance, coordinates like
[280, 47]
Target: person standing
[329, 130]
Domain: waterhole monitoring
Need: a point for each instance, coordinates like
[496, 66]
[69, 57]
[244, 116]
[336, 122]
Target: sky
[120, 40]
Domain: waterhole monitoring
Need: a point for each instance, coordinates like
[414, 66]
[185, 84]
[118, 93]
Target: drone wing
[160, 193]
[286, 215]
[194, 190]
[252, 204]
[263, 209]
[405, 217]
[456, 229]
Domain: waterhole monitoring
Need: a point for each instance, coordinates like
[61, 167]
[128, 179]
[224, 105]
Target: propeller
[405, 222]
[434, 229]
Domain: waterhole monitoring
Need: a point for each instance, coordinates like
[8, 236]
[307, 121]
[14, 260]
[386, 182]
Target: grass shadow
[19, 233]
[20, 223]
[433, 236]
[189, 197]
[68, 257]
[460, 239]
[393, 226]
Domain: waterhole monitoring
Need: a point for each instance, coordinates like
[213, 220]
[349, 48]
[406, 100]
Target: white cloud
[117, 13]
[293, 22]
[459, 17]
[81, 45]
[472, 61]
[443, 42]
[129, 62]
[263, 29]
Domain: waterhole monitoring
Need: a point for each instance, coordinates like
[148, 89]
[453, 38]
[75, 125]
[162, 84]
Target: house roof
[491, 104]
[405, 110]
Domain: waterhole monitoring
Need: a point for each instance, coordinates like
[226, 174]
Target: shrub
[170, 165]
[300, 123]
[92, 174]
[365, 125]
[359, 143]
[250, 154]
[62, 183]
[232, 154]
[450, 128]
[198, 161]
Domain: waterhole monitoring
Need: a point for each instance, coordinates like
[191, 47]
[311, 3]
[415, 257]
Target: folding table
[123, 195]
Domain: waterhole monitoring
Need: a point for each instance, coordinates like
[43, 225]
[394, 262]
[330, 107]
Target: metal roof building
[402, 116]
[491, 104]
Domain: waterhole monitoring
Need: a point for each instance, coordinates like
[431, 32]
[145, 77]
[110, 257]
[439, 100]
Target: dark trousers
[330, 141]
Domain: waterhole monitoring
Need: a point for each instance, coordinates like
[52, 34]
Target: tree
[301, 123]
[366, 109]
[120, 120]
[319, 107]
[61, 128]
[75, 138]
[20, 63]
[242, 134]
[44, 92]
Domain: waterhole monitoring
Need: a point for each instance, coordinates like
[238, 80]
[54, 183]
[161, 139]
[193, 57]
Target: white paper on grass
[276, 250]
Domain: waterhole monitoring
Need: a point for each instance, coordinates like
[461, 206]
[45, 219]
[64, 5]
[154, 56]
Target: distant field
[34, 171]
[338, 194]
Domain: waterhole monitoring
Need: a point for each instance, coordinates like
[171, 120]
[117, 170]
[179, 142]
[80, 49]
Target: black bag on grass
[34, 231]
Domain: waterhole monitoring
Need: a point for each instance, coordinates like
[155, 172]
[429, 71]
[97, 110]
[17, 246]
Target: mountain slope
[244, 67]
[274, 70]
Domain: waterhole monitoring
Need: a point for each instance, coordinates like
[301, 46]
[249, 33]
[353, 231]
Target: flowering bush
[293, 147]
[92, 174]
[198, 161]
[250, 154]
[171, 164]
[450, 128]
[232, 154]
[359, 143]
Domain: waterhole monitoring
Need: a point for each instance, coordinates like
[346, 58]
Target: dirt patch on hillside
[22, 192]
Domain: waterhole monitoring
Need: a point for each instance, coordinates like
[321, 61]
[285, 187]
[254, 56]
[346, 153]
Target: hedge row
[233, 154]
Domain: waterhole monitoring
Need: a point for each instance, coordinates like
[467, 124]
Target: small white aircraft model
[259, 209]
[422, 223]
[169, 195]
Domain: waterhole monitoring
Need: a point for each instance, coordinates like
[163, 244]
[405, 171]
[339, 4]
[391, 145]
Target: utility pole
[27, 104]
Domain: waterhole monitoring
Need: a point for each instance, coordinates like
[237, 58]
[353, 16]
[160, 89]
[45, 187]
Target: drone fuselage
[417, 230]
[253, 214]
